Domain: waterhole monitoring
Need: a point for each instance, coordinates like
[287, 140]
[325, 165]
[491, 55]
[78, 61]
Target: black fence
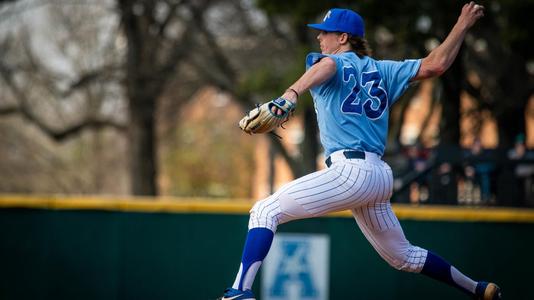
[455, 176]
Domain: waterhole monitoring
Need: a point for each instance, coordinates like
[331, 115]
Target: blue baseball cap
[341, 20]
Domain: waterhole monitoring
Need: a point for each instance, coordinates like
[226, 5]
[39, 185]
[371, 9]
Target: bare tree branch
[102, 74]
[244, 17]
[8, 110]
[26, 112]
[227, 80]
[60, 135]
[180, 51]
[273, 25]
[173, 7]
[221, 61]
[428, 117]
[295, 166]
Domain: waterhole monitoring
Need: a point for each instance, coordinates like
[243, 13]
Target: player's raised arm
[442, 57]
[317, 74]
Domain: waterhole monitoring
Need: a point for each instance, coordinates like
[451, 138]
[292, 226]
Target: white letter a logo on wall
[297, 267]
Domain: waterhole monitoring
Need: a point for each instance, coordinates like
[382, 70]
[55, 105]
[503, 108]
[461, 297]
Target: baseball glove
[265, 118]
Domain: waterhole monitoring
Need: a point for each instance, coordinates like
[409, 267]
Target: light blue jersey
[353, 106]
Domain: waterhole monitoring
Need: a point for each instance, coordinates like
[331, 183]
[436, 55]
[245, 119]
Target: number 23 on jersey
[366, 96]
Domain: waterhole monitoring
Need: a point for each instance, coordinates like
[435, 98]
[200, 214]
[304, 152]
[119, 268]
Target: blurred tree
[158, 37]
[58, 80]
[218, 40]
[500, 54]
[162, 50]
[205, 160]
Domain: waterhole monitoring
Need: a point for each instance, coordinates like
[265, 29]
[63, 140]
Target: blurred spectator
[444, 178]
[473, 176]
[483, 164]
[468, 190]
[417, 158]
[444, 184]
[524, 171]
[519, 150]
[411, 183]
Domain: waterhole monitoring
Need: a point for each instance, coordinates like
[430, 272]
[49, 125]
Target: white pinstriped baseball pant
[363, 186]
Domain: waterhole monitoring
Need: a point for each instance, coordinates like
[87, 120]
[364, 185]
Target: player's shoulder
[324, 60]
[313, 57]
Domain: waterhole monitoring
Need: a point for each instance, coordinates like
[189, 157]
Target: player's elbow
[438, 69]
[430, 67]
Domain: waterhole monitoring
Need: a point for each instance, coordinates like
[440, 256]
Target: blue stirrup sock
[257, 246]
[437, 268]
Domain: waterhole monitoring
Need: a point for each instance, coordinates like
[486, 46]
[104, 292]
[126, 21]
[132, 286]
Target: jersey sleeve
[397, 75]
[313, 58]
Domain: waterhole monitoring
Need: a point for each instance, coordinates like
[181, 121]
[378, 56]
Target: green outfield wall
[72, 248]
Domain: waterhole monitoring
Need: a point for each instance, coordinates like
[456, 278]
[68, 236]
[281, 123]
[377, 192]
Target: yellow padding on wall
[235, 206]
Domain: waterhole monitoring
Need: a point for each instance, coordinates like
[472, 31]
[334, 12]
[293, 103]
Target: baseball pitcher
[352, 93]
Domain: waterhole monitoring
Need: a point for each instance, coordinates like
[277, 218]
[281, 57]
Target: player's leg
[382, 229]
[339, 187]
[265, 217]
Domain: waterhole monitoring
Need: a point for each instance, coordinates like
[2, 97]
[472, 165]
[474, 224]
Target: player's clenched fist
[267, 117]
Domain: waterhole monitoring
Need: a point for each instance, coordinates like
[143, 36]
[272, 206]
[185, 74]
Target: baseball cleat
[233, 294]
[487, 291]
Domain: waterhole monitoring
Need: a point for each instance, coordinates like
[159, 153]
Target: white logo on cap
[327, 15]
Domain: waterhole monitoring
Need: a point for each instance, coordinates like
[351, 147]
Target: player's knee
[411, 260]
[264, 214]
[396, 262]
[402, 266]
